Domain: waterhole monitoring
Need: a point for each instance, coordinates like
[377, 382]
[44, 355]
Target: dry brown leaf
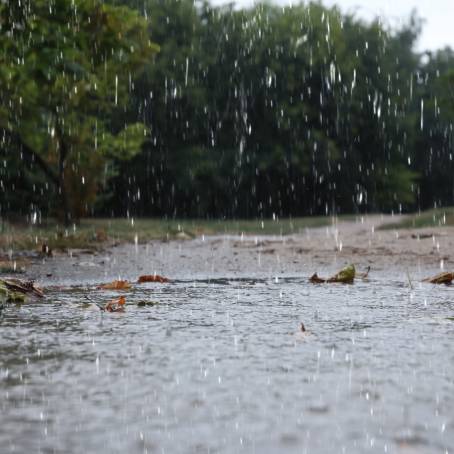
[152, 278]
[442, 278]
[116, 305]
[115, 285]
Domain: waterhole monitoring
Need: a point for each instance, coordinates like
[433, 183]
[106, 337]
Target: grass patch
[438, 217]
[96, 234]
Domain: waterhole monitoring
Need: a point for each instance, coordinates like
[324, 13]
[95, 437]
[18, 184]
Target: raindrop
[422, 114]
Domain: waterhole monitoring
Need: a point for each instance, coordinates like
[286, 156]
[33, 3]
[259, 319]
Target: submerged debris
[442, 278]
[147, 303]
[422, 236]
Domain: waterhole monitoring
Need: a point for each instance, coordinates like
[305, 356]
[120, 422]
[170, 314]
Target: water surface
[219, 365]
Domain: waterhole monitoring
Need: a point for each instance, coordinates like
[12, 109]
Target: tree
[66, 69]
[434, 128]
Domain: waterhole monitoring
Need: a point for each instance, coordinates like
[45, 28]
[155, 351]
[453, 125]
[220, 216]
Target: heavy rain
[226, 227]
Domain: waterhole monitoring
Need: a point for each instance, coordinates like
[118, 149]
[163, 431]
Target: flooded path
[219, 363]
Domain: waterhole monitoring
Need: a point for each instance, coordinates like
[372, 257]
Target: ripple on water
[219, 365]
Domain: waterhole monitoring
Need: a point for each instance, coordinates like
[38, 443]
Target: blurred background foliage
[181, 109]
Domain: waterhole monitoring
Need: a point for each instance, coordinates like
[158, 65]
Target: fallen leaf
[16, 285]
[116, 305]
[442, 278]
[115, 285]
[344, 276]
[152, 278]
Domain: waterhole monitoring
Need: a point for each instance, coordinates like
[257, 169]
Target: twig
[409, 280]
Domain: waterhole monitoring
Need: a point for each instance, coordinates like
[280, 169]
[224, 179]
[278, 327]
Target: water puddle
[220, 365]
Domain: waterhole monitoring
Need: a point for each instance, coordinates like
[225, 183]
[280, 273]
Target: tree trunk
[36, 159]
[55, 178]
[66, 211]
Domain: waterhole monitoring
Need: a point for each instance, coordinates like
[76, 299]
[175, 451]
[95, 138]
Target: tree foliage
[252, 112]
[65, 71]
[285, 111]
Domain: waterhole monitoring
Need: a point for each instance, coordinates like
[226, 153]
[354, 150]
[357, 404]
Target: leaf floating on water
[152, 278]
[116, 305]
[115, 285]
[442, 278]
[344, 276]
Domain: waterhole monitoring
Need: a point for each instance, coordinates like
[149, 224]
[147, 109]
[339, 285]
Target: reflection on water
[219, 366]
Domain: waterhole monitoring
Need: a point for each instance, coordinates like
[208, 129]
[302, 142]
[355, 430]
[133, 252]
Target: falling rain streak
[422, 114]
[116, 90]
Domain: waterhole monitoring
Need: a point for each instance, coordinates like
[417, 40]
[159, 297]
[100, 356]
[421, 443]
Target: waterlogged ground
[219, 364]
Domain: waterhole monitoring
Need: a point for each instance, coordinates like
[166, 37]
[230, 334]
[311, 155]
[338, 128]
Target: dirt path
[421, 252]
